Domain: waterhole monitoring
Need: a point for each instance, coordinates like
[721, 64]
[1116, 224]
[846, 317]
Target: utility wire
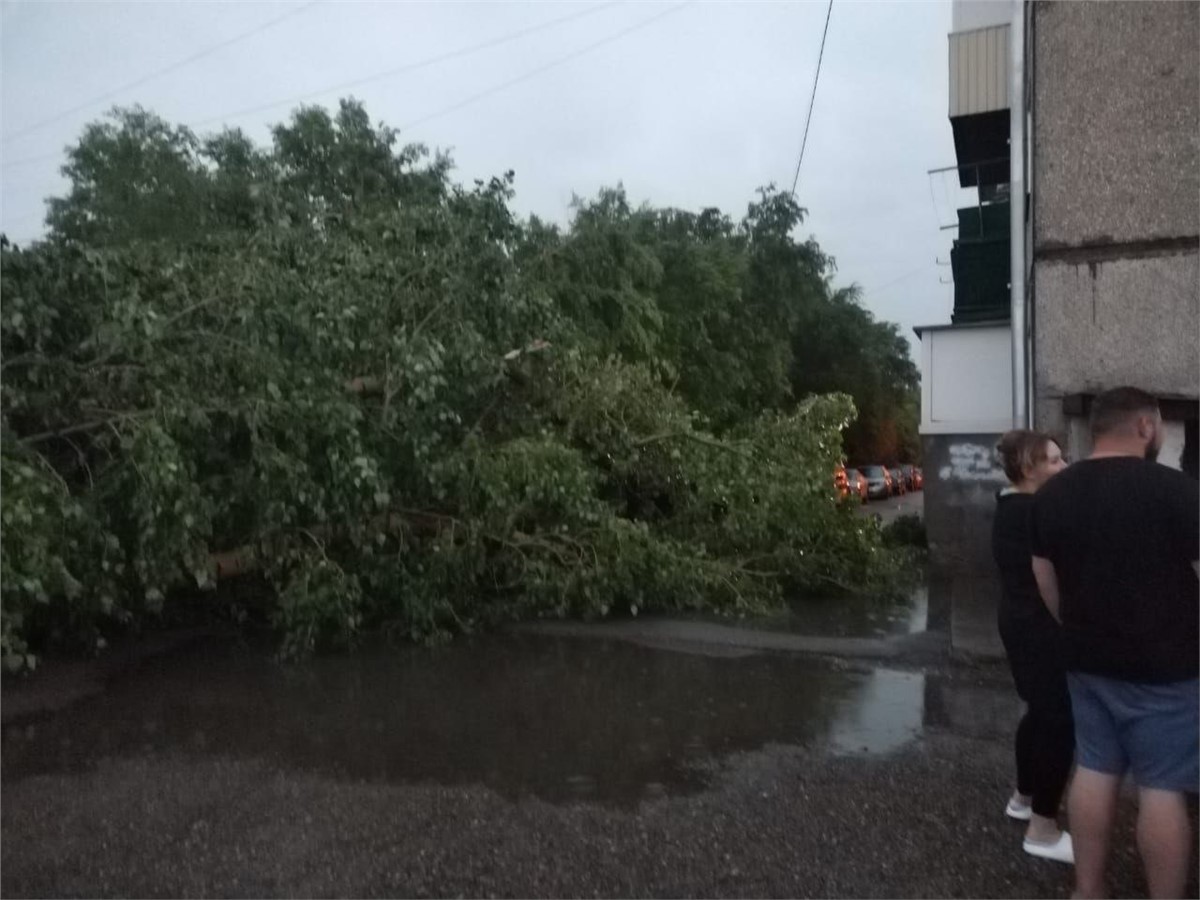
[467, 101]
[812, 99]
[409, 67]
[30, 160]
[562, 60]
[138, 82]
[904, 277]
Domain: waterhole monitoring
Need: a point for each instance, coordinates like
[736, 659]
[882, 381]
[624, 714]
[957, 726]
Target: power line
[904, 277]
[138, 82]
[540, 69]
[30, 160]
[480, 95]
[428, 61]
[409, 67]
[812, 99]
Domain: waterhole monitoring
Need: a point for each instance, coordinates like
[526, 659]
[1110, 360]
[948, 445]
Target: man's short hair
[1117, 409]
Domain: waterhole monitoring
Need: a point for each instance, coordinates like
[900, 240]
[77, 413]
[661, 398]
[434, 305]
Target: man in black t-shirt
[1116, 539]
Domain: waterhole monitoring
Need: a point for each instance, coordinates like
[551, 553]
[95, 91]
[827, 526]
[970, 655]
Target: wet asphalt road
[529, 767]
[774, 817]
[911, 504]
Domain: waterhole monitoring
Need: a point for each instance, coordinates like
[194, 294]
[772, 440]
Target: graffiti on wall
[972, 462]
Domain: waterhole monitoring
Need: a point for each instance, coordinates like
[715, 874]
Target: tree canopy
[325, 365]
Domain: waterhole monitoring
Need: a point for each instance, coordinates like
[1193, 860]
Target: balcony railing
[980, 257]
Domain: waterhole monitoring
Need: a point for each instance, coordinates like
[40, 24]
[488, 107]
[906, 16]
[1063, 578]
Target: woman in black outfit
[1045, 742]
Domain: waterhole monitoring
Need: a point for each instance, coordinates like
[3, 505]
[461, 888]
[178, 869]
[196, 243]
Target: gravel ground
[784, 821]
[925, 821]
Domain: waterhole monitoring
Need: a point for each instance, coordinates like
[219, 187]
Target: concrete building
[1114, 91]
[1097, 212]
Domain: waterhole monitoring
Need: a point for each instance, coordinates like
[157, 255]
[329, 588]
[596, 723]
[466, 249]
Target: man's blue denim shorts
[1149, 730]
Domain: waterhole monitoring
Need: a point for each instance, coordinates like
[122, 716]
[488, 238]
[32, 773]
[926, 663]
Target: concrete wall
[962, 476]
[1105, 323]
[966, 403]
[1115, 184]
[1073, 436]
[1116, 120]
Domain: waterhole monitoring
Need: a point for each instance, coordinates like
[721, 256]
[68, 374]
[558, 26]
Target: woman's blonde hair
[1020, 450]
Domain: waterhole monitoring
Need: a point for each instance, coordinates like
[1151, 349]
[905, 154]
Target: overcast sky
[688, 105]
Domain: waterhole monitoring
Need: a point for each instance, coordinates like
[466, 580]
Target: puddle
[852, 617]
[559, 718]
[888, 712]
[857, 617]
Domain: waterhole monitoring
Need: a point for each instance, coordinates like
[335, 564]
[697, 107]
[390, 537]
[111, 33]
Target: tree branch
[83, 426]
[691, 436]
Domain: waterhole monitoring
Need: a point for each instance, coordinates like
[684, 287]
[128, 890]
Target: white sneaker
[1022, 812]
[1062, 850]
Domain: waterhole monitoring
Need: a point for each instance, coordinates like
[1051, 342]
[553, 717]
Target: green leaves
[408, 410]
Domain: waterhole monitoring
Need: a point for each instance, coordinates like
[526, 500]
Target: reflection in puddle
[886, 713]
[565, 719]
[917, 619]
[856, 617]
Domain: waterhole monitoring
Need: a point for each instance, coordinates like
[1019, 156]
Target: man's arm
[1047, 582]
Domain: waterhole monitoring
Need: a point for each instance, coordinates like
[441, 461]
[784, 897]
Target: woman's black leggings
[1046, 735]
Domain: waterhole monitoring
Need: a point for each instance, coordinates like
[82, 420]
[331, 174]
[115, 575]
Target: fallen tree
[399, 406]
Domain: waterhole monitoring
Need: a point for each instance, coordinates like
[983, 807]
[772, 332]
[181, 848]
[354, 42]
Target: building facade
[1114, 101]
[1077, 268]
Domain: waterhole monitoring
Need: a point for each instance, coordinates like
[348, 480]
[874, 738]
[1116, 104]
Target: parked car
[879, 482]
[899, 488]
[841, 482]
[910, 477]
[856, 481]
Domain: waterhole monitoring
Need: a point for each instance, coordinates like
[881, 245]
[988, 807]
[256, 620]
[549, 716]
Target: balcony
[980, 257]
[966, 378]
[980, 261]
[981, 286]
[979, 71]
[979, 100]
